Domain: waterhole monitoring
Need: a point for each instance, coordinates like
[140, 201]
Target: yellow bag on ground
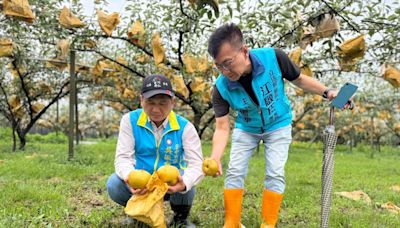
[69, 20]
[19, 9]
[148, 208]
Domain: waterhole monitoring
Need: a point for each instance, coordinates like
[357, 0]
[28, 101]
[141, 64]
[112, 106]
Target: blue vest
[274, 109]
[148, 154]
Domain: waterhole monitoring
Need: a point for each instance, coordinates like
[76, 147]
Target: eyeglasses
[227, 64]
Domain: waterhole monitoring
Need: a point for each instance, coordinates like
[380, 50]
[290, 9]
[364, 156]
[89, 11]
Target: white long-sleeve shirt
[125, 152]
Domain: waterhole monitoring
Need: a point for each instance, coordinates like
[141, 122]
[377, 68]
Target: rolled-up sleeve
[193, 173]
[124, 155]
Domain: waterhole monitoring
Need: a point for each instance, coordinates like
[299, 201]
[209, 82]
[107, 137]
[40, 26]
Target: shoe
[181, 216]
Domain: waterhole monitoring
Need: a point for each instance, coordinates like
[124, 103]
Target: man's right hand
[220, 139]
[218, 160]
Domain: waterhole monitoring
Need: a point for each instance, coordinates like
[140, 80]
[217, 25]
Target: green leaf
[230, 11]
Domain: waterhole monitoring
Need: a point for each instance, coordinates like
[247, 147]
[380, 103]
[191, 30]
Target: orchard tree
[170, 37]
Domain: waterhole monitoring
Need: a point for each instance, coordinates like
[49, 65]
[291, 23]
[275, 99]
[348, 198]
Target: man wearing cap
[151, 137]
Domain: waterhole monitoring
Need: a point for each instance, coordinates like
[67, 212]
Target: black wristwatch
[325, 93]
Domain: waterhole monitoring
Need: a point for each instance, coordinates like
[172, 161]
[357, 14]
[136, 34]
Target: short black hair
[226, 33]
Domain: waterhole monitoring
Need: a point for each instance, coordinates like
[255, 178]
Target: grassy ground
[40, 188]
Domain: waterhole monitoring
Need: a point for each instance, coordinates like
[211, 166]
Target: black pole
[72, 96]
[57, 118]
[76, 115]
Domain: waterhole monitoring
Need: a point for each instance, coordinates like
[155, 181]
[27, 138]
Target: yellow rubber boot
[233, 207]
[271, 204]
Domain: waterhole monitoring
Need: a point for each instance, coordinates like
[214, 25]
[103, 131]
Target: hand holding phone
[344, 95]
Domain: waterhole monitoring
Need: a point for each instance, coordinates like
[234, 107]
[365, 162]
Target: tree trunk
[196, 121]
[22, 141]
[14, 139]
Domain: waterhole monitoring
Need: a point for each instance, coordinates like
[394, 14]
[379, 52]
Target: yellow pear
[137, 179]
[169, 174]
[210, 167]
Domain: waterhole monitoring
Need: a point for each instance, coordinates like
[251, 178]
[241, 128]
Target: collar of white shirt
[162, 126]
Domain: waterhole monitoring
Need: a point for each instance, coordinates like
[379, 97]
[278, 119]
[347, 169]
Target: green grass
[40, 188]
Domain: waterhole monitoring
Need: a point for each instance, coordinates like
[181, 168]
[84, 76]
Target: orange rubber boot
[271, 204]
[233, 207]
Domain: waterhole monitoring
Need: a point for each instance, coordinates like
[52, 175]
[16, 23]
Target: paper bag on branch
[352, 48]
[206, 95]
[327, 26]
[203, 65]
[158, 49]
[350, 52]
[19, 9]
[128, 93]
[137, 35]
[90, 44]
[348, 64]
[98, 69]
[307, 36]
[44, 124]
[142, 58]
[148, 208]
[69, 20]
[295, 56]
[63, 47]
[306, 70]
[14, 101]
[108, 23]
[392, 75]
[180, 86]
[196, 63]
[37, 107]
[190, 63]
[117, 106]
[6, 47]
[197, 85]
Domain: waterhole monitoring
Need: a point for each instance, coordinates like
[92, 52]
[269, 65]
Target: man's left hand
[333, 93]
[178, 187]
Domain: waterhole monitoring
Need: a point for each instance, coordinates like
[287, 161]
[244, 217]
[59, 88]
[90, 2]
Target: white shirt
[124, 156]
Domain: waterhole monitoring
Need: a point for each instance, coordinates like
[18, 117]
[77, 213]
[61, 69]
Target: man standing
[154, 136]
[251, 83]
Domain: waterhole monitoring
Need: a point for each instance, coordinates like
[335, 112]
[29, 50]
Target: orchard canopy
[116, 47]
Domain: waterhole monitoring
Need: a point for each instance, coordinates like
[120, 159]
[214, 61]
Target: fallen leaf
[391, 207]
[356, 195]
[395, 188]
